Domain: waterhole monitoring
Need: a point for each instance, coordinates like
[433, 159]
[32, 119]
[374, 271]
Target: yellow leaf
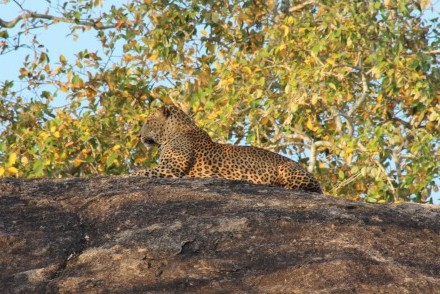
[23, 72]
[12, 170]
[331, 61]
[85, 151]
[285, 29]
[125, 94]
[98, 3]
[129, 57]
[44, 136]
[311, 126]
[2, 171]
[56, 134]
[258, 93]
[315, 98]
[379, 98]
[116, 147]
[204, 32]
[424, 4]
[24, 160]
[99, 25]
[349, 150]
[140, 159]
[264, 120]
[247, 70]
[68, 144]
[12, 158]
[77, 162]
[153, 56]
[63, 59]
[120, 23]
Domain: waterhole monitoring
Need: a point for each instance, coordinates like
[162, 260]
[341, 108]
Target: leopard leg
[173, 163]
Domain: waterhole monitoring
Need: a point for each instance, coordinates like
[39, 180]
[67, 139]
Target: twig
[383, 170]
[18, 4]
[346, 182]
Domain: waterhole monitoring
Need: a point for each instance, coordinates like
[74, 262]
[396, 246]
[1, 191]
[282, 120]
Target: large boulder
[137, 235]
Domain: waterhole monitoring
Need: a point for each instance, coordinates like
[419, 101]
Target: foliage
[348, 88]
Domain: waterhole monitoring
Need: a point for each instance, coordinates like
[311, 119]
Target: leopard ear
[166, 110]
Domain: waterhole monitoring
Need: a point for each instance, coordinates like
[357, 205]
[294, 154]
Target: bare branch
[275, 125]
[345, 182]
[432, 52]
[298, 135]
[96, 24]
[277, 146]
[335, 114]
[338, 122]
[362, 98]
[301, 6]
[313, 149]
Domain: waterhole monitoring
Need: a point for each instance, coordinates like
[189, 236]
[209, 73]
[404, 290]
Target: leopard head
[152, 131]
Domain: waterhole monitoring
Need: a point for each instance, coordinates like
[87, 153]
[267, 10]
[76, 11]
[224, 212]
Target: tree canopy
[350, 89]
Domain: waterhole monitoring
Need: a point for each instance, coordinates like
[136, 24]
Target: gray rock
[138, 235]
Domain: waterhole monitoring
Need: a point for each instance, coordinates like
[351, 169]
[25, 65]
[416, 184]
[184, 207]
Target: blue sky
[57, 40]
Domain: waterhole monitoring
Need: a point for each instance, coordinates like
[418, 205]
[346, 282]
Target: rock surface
[138, 235]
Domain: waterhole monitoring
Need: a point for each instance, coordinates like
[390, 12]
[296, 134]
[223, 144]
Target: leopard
[187, 151]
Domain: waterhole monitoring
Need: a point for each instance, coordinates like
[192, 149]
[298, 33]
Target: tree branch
[301, 6]
[432, 52]
[96, 24]
[345, 182]
[362, 98]
[313, 148]
[335, 114]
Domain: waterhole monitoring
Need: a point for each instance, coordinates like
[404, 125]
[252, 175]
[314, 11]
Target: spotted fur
[187, 150]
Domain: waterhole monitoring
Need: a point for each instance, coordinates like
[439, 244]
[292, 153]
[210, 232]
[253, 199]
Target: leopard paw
[141, 172]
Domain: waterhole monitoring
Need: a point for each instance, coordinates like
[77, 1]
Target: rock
[138, 235]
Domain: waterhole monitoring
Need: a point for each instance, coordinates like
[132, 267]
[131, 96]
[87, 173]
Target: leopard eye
[148, 141]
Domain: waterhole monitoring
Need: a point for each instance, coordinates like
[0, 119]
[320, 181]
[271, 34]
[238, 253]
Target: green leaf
[370, 200]
[110, 160]
[4, 34]
[341, 175]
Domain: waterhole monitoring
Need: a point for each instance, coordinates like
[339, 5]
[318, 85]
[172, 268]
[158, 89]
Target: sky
[11, 63]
